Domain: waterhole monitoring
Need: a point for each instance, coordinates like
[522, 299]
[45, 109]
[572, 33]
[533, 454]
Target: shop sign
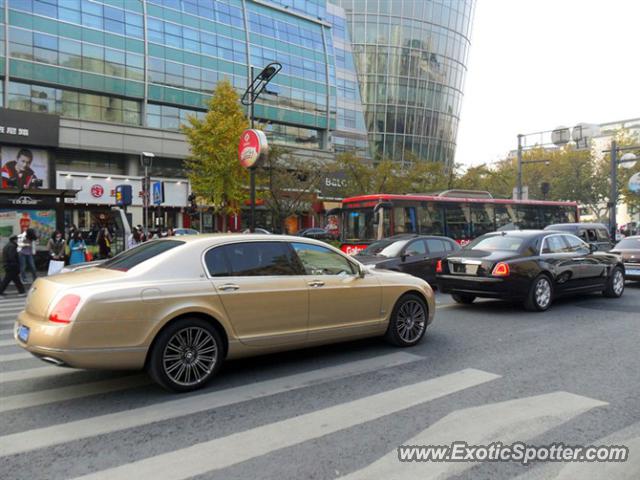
[28, 128]
[24, 200]
[253, 145]
[97, 191]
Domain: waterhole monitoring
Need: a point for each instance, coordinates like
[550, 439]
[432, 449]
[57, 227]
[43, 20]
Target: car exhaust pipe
[55, 361]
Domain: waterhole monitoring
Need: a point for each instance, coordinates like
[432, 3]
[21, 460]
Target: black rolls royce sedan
[533, 266]
[414, 254]
[628, 249]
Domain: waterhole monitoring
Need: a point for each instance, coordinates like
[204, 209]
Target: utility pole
[519, 186]
[252, 170]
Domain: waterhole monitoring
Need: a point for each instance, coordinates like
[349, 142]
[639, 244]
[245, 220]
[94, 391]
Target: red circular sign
[97, 190]
[253, 143]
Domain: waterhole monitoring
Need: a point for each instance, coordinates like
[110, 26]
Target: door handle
[316, 283]
[229, 287]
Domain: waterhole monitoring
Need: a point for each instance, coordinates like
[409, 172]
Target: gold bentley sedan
[180, 306]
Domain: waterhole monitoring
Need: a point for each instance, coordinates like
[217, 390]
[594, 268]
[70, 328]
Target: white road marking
[43, 397]
[70, 431]
[29, 373]
[8, 343]
[10, 357]
[506, 422]
[242, 446]
[629, 470]
[5, 331]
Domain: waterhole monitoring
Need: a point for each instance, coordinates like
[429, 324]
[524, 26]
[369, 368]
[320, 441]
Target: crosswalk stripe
[6, 331]
[629, 470]
[239, 447]
[11, 303]
[70, 431]
[7, 322]
[505, 422]
[43, 397]
[29, 373]
[7, 343]
[10, 357]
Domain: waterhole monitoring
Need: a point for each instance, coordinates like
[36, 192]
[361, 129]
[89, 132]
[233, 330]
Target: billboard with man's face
[23, 167]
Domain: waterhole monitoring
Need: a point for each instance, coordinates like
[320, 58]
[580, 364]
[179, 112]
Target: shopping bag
[55, 266]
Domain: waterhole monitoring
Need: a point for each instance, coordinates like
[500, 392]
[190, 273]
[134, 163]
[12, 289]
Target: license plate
[633, 271]
[23, 333]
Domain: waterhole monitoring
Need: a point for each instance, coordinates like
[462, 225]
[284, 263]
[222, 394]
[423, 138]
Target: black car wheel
[463, 298]
[540, 294]
[615, 284]
[186, 355]
[408, 321]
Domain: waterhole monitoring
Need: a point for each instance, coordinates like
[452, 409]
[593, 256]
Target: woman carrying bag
[78, 249]
[56, 247]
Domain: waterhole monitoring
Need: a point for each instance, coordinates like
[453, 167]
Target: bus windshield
[359, 225]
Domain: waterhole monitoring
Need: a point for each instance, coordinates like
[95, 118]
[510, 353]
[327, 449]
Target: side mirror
[593, 248]
[361, 271]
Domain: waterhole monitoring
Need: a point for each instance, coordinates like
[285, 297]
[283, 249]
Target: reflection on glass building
[411, 58]
[123, 75]
[86, 59]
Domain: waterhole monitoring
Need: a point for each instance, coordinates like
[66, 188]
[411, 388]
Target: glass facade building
[151, 63]
[411, 58]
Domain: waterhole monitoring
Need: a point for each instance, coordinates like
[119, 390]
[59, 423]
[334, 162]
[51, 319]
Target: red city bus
[458, 214]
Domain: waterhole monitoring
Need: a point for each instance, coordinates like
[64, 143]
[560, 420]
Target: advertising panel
[14, 222]
[23, 167]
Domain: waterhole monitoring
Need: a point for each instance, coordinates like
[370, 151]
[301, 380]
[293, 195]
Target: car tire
[540, 294]
[614, 287]
[463, 298]
[186, 355]
[408, 321]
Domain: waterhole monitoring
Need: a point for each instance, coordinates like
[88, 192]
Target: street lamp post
[613, 200]
[146, 160]
[251, 94]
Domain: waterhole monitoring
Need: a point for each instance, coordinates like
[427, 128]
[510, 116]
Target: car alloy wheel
[186, 354]
[618, 282]
[411, 321]
[615, 283]
[408, 321]
[543, 293]
[190, 356]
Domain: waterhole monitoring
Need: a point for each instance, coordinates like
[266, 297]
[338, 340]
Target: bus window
[567, 214]
[430, 219]
[404, 220]
[505, 217]
[528, 217]
[458, 221]
[358, 224]
[482, 219]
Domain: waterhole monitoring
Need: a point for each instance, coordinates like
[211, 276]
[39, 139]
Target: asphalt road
[485, 372]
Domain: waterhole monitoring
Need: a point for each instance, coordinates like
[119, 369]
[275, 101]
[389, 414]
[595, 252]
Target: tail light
[439, 266]
[501, 270]
[64, 309]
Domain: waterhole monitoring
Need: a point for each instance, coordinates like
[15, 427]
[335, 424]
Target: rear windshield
[629, 244]
[509, 243]
[135, 256]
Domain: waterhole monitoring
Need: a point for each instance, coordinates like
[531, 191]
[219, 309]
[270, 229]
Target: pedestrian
[104, 243]
[136, 238]
[56, 247]
[26, 253]
[11, 262]
[78, 249]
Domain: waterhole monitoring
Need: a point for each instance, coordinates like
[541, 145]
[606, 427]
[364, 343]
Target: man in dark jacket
[11, 266]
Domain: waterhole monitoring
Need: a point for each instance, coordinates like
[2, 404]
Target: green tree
[213, 168]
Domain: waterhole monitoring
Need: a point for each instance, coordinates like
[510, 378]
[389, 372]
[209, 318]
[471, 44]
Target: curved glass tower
[411, 58]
